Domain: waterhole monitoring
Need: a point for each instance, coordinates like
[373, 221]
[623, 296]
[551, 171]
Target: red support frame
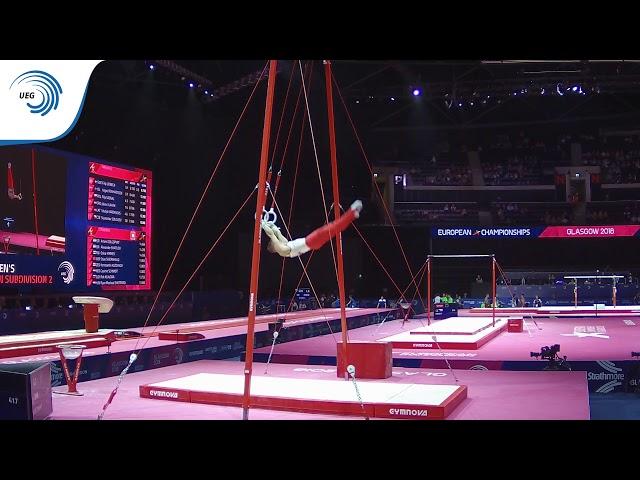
[336, 205]
[493, 287]
[255, 259]
[429, 291]
[35, 198]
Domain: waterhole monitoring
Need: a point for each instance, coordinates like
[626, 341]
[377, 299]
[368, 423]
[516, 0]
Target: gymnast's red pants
[322, 235]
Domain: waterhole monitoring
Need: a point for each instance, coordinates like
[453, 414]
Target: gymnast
[316, 239]
[11, 191]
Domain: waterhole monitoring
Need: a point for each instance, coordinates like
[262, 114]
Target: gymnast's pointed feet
[356, 207]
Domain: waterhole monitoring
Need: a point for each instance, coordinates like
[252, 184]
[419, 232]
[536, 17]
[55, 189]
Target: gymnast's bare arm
[277, 244]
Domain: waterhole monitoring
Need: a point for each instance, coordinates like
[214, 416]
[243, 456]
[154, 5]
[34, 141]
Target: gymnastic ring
[266, 216]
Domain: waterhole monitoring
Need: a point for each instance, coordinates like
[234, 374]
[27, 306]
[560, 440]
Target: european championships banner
[564, 231]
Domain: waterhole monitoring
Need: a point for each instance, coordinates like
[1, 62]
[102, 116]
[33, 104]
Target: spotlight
[416, 92]
[357, 101]
[190, 84]
[460, 104]
[575, 89]
[206, 92]
[471, 104]
[393, 99]
[152, 67]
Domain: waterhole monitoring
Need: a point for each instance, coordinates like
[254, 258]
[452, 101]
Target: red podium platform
[371, 359]
[515, 325]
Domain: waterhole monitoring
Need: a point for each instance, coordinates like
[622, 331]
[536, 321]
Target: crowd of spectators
[441, 170]
[437, 212]
[521, 160]
[531, 213]
[618, 158]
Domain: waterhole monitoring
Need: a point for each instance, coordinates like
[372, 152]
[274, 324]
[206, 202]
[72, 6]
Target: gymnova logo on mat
[66, 272]
[41, 100]
[611, 373]
[161, 393]
[408, 412]
[36, 85]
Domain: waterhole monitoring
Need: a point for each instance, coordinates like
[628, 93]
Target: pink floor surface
[493, 395]
[296, 318]
[622, 339]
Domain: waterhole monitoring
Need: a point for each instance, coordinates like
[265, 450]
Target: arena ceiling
[456, 94]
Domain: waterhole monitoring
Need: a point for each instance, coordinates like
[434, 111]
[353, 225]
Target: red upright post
[255, 260]
[35, 198]
[336, 205]
[429, 291]
[493, 285]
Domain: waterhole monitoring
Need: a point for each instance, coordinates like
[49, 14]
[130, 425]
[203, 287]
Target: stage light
[542, 92]
[460, 104]
[190, 84]
[416, 92]
[206, 92]
[27, 308]
[471, 104]
[559, 90]
[357, 101]
[152, 67]
[575, 89]
[393, 99]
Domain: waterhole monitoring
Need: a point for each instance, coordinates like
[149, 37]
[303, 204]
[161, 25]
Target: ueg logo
[38, 86]
[66, 272]
[407, 412]
[613, 376]
[163, 394]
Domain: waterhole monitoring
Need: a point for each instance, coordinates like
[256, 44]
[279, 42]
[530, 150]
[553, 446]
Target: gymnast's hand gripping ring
[269, 216]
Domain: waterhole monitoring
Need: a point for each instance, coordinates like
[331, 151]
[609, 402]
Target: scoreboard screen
[73, 223]
[303, 294]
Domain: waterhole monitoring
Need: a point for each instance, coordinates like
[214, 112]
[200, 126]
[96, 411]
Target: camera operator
[550, 354]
